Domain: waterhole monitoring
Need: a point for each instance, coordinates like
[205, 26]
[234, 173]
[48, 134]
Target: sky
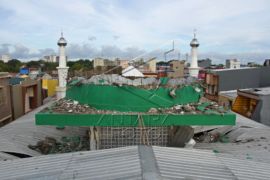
[136, 28]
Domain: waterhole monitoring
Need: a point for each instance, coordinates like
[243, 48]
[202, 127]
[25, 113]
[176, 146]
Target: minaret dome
[194, 42]
[62, 41]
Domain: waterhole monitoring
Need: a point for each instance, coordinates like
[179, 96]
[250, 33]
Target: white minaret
[62, 68]
[194, 69]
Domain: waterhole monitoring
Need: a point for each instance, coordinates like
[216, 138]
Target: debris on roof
[131, 71]
[244, 140]
[17, 135]
[136, 162]
[71, 106]
[115, 79]
[67, 144]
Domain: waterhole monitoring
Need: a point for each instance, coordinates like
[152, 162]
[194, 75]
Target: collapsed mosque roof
[115, 79]
[114, 92]
[112, 100]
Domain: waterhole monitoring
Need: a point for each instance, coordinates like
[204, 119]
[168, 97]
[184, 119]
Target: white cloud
[225, 27]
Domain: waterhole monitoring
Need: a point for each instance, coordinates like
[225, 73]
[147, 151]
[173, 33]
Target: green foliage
[81, 64]
[14, 65]
[49, 66]
[33, 64]
[3, 66]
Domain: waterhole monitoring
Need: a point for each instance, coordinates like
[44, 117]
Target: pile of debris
[71, 106]
[67, 144]
[192, 108]
[115, 79]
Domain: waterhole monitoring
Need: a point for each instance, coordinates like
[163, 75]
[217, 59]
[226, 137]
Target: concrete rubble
[114, 79]
[67, 144]
[71, 106]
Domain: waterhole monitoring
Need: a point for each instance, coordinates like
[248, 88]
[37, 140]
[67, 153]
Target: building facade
[5, 100]
[26, 95]
[232, 79]
[176, 69]
[254, 103]
[100, 62]
[51, 58]
[152, 64]
[205, 63]
[122, 63]
[232, 64]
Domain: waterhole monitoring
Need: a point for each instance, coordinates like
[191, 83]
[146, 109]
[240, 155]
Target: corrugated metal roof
[248, 140]
[129, 163]
[244, 169]
[190, 164]
[5, 156]
[16, 136]
[246, 122]
[251, 150]
[103, 164]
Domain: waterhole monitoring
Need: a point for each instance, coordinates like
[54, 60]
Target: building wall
[232, 64]
[256, 115]
[239, 79]
[98, 62]
[205, 63]
[265, 110]
[265, 76]
[152, 65]
[5, 101]
[178, 69]
[123, 63]
[18, 96]
[30, 82]
[17, 101]
[50, 58]
[50, 85]
[39, 93]
[211, 91]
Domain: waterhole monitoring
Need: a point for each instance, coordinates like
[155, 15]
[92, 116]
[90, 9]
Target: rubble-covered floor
[246, 140]
[151, 82]
[74, 107]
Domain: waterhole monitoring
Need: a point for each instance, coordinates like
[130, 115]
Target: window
[2, 96]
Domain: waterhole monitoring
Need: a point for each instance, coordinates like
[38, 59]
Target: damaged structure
[122, 111]
[254, 103]
[232, 79]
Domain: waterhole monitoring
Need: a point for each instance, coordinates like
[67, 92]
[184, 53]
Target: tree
[49, 66]
[81, 64]
[76, 67]
[3, 66]
[13, 65]
[33, 64]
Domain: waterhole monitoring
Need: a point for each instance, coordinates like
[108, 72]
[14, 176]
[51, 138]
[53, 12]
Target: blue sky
[127, 28]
